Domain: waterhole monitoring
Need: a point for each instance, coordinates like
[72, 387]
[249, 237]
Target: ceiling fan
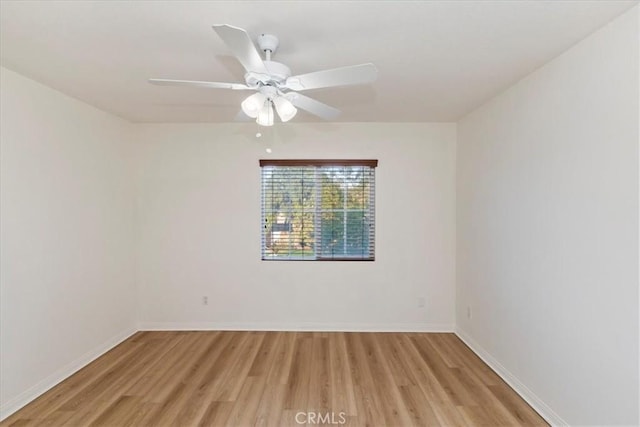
[275, 87]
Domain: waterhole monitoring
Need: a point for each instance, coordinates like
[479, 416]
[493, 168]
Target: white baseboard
[299, 326]
[536, 403]
[11, 406]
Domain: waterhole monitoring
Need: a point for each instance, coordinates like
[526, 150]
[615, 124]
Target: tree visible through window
[318, 209]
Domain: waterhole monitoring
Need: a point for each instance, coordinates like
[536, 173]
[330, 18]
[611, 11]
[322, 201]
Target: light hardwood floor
[282, 379]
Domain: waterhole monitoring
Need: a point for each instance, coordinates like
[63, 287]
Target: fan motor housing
[278, 74]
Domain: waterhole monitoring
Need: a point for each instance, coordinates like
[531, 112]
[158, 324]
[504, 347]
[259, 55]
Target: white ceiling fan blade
[312, 106]
[211, 85]
[344, 76]
[242, 47]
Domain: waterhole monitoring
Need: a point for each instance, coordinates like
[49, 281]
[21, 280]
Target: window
[318, 209]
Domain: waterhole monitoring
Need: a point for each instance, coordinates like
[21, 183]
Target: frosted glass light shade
[285, 108]
[265, 116]
[252, 105]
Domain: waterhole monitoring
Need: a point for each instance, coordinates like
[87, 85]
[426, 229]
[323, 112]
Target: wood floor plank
[298, 382]
[120, 412]
[446, 376]
[444, 408]
[266, 352]
[524, 414]
[269, 412]
[281, 368]
[420, 410]
[217, 378]
[43, 407]
[273, 370]
[288, 419]
[237, 371]
[319, 399]
[168, 372]
[453, 345]
[369, 404]
[394, 358]
[216, 414]
[201, 381]
[342, 396]
[423, 372]
[100, 394]
[246, 405]
[181, 390]
[473, 378]
[394, 411]
[484, 399]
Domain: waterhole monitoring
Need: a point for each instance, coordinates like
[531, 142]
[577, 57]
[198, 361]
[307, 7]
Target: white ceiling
[437, 60]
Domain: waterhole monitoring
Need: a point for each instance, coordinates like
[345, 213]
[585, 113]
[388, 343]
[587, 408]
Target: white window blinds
[318, 209]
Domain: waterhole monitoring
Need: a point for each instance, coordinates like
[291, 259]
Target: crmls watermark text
[321, 418]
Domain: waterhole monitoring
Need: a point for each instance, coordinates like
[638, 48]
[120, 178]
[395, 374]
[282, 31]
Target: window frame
[319, 163]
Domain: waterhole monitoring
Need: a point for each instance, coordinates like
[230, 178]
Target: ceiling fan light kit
[276, 87]
[252, 105]
[285, 108]
[265, 116]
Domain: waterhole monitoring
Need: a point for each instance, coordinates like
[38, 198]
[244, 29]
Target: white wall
[547, 232]
[547, 245]
[67, 288]
[199, 231]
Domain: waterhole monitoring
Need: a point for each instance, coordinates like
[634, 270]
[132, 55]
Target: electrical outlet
[421, 301]
[205, 300]
[468, 312]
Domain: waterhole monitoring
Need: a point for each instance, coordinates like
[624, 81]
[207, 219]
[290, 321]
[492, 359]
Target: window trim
[371, 163]
[316, 162]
